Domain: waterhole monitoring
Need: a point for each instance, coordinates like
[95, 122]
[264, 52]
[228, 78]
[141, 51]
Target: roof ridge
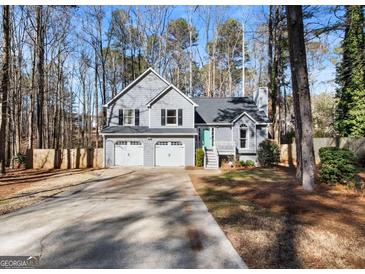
[203, 97]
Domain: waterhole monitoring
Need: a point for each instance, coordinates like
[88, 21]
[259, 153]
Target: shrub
[250, 163]
[199, 157]
[20, 159]
[337, 164]
[288, 137]
[268, 153]
[242, 163]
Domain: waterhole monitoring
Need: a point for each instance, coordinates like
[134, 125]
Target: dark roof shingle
[225, 110]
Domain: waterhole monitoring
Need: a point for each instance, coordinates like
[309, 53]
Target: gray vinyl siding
[172, 100]
[137, 98]
[245, 157]
[149, 147]
[251, 126]
[223, 134]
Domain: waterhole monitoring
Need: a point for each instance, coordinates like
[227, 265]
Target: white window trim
[247, 137]
[176, 117]
[133, 115]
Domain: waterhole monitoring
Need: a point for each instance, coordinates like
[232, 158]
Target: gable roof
[227, 110]
[167, 89]
[135, 81]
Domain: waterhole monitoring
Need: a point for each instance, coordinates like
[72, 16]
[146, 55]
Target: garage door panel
[128, 153]
[170, 153]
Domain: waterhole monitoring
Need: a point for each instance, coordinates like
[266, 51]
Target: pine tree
[350, 120]
[301, 95]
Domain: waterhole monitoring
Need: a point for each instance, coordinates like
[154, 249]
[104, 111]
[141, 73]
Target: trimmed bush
[268, 153]
[337, 164]
[242, 163]
[250, 163]
[199, 157]
[19, 158]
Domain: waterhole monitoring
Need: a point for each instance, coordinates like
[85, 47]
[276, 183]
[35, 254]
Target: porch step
[212, 157]
[211, 160]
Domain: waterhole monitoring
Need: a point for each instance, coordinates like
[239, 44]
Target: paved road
[142, 218]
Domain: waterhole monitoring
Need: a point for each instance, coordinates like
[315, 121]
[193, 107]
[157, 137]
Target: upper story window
[171, 117]
[128, 117]
[243, 137]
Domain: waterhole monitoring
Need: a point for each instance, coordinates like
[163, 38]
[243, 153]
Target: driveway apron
[143, 218]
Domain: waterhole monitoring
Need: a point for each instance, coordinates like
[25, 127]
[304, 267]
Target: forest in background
[66, 62]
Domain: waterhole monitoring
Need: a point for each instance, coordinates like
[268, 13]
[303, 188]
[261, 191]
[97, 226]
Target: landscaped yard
[273, 223]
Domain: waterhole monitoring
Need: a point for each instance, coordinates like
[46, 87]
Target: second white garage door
[128, 153]
[170, 153]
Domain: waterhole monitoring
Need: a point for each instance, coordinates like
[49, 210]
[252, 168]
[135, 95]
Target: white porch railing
[225, 148]
[205, 155]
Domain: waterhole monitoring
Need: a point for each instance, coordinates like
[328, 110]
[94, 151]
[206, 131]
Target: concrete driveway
[140, 218]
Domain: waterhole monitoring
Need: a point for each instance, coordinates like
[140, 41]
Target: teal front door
[207, 138]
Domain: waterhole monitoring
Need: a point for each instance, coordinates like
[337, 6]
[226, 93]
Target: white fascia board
[134, 82]
[184, 95]
[159, 76]
[213, 124]
[158, 95]
[171, 86]
[152, 134]
[241, 115]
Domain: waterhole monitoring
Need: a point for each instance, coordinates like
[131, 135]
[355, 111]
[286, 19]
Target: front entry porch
[212, 148]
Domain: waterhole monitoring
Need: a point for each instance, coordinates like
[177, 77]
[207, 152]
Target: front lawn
[273, 223]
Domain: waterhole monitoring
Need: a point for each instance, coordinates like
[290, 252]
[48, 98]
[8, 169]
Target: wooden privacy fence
[65, 158]
[356, 145]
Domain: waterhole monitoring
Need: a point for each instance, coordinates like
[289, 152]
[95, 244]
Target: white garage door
[170, 153]
[128, 153]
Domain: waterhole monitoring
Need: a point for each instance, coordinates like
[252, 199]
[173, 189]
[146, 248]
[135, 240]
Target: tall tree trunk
[139, 62]
[190, 54]
[96, 106]
[269, 66]
[103, 68]
[31, 100]
[278, 64]
[4, 86]
[40, 70]
[57, 110]
[19, 101]
[84, 122]
[302, 104]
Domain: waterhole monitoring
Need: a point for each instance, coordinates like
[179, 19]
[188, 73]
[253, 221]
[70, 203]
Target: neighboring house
[153, 123]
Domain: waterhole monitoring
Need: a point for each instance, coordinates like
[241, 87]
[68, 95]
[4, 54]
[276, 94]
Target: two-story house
[152, 123]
